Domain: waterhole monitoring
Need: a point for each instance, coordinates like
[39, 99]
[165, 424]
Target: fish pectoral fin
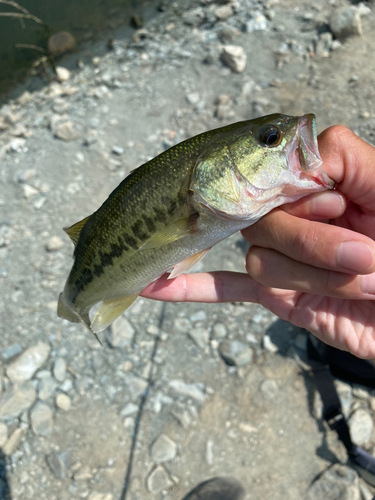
[187, 264]
[110, 310]
[175, 231]
[75, 230]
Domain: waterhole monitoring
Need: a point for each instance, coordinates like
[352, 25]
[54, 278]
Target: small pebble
[63, 402]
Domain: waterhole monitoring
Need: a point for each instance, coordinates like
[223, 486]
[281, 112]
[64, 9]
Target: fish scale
[170, 211]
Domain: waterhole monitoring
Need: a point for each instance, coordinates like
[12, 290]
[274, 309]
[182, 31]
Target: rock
[337, 483]
[17, 145]
[54, 244]
[59, 369]
[189, 390]
[235, 57]
[324, 45]
[163, 449]
[11, 351]
[59, 463]
[60, 42]
[83, 474]
[66, 386]
[41, 419]
[219, 331]
[24, 367]
[228, 34]
[153, 330]
[268, 345]
[198, 316]
[210, 452]
[193, 98]
[200, 336]
[117, 150]
[47, 387]
[361, 426]
[194, 17]
[257, 23]
[13, 442]
[345, 22]
[121, 333]
[16, 400]
[63, 402]
[100, 496]
[136, 385]
[67, 131]
[62, 74]
[129, 409]
[29, 191]
[158, 480]
[3, 434]
[236, 353]
[269, 389]
[224, 12]
[25, 98]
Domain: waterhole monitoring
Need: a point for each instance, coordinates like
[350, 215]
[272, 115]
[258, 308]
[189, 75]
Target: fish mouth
[303, 153]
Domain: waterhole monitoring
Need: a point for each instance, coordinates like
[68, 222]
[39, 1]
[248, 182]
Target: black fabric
[217, 488]
[346, 366]
[332, 412]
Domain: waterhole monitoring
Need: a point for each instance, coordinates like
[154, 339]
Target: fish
[169, 212]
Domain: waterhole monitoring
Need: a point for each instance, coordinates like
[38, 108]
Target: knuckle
[305, 244]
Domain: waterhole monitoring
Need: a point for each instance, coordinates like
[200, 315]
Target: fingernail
[355, 256]
[368, 283]
[329, 204]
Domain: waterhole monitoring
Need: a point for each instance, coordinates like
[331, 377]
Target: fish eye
[270, 135]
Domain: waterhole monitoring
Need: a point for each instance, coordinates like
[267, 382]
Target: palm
[342, 323]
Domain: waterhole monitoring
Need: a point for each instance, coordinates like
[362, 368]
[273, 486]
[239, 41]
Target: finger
[349, 161]
[221, 286]
[318, 206]
[272, 269]
[314, 243]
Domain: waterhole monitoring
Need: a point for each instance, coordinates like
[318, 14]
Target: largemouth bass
[170, 211]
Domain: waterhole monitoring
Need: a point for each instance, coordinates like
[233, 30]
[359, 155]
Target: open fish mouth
[303, 153]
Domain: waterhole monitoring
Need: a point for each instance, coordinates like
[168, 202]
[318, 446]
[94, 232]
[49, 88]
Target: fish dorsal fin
[187, 264]
[110, 310]
[74, 231]
[173, 232]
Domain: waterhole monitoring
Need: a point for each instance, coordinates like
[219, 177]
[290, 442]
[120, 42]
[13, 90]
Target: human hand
[311, 262]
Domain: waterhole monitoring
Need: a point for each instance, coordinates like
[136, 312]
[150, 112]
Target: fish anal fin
[173, 232]
[110, 310]
[187, 264]
[64, 312]
[75, 230]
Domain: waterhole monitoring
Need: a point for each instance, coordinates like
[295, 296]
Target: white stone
[361, 426]
[3, 434]
[62, 74]
[54, 243]
[13, 442]
[63, 402]
[235, 57]
[164, 449]
[41, 419]
[24, 367]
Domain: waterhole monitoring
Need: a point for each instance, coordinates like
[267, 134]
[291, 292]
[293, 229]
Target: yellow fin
[110, 310]
[187, 264]
[173, 232]
[74, 231]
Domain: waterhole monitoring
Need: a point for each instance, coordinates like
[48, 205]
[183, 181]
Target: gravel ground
[179, 392]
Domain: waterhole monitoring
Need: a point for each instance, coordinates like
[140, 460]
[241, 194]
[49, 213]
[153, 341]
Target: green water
[87, 20]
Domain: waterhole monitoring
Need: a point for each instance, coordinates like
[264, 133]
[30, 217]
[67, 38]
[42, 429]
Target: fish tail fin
[64, 311]
[110, 310]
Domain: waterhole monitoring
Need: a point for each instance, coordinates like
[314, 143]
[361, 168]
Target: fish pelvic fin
[185, 265]
[63, 311]
[75, 230]
[110, 310]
